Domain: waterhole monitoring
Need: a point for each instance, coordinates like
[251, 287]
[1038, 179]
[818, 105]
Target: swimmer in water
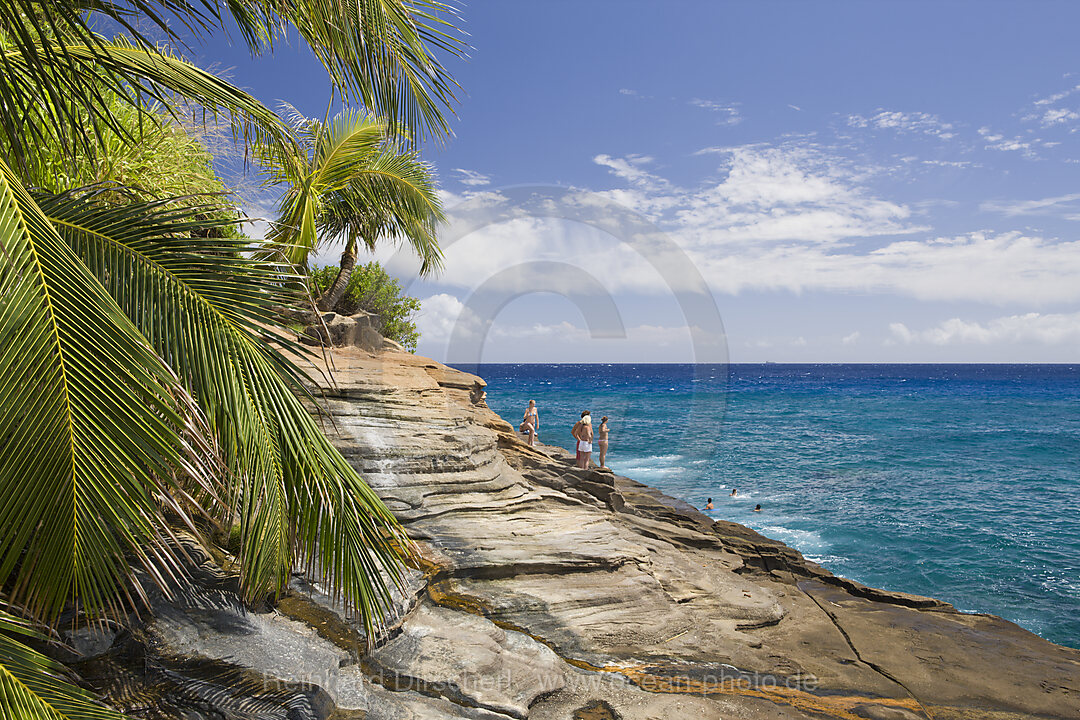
[734, 492]
[757, 508]
[708, 505]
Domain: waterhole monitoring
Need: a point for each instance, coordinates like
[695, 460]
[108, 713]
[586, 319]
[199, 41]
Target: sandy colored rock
[621, 581]
[547, 592]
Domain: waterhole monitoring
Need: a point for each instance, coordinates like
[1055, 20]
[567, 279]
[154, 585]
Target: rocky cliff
[549, 592]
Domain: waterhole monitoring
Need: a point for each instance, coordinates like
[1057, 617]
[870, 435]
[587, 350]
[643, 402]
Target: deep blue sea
[960, 482]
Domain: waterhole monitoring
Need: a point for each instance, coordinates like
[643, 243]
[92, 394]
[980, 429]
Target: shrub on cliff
[372, 290]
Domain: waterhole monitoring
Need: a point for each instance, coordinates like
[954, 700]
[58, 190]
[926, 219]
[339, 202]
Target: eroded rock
[471, 660]
[549, 592]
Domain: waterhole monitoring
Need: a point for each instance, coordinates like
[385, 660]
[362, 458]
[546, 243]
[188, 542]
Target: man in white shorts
[582, 433]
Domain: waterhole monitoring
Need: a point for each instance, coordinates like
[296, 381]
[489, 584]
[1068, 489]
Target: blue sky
[852, 181]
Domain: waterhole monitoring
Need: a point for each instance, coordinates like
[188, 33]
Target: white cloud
[258, 213]
[1001, 269]
[631, 93]
[949, 163]
[914, 122]
[630, 168]
[1049, 114]
[793, 192]
[1033, 207]
[1057, 97]
[851, 339]
[440, 315]
[997, 141]
[563, 331]
[728, 112]
[472, 178]
[469, 200]
[566, 332]
[1045, 329]
[1058, 116]
[771, 201]
[560, 341]
[787, 217]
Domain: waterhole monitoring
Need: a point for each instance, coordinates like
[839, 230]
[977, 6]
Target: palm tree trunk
[336, 291]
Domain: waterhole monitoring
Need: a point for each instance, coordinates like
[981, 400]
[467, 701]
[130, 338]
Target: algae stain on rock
[597, 710]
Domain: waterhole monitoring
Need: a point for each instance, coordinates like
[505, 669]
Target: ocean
[961, 482]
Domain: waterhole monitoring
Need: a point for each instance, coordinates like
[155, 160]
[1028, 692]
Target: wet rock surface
[549, 592]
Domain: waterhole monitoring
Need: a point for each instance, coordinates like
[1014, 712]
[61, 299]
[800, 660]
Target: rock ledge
[548, 592]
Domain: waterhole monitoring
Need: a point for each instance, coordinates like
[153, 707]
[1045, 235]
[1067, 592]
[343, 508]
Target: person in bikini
[582, 433]
[530, 424]
[601, 440]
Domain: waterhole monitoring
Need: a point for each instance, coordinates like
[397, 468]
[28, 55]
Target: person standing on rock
[530, 424]
[582, 432]
[601, 440]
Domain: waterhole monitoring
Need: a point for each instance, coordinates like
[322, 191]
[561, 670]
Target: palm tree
[142, 377]
[378, 53]
[145, 374]
[350, 178]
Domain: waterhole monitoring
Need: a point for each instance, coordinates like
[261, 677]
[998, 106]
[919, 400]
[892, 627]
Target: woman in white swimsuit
[531, 423]
[582, 432]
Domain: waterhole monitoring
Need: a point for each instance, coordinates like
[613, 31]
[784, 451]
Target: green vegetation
[378, 54]
[372, 290]
[147, 377]
[166, 160]
[351, 178]
[150, 156]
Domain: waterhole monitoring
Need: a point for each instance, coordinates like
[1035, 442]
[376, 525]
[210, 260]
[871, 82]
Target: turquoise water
[961, 482]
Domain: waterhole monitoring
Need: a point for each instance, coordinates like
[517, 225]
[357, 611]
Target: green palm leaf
[377, 52]
[97, 435]
[323, 160]
[210, 310]
[77, 94]
[391, 196]
[36, 687]
[349, 177]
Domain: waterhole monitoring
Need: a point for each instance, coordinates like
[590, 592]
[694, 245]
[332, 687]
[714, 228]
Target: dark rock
[91, 641]
[596, 710]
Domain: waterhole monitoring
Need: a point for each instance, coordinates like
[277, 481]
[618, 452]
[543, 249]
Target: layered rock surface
[543, 591]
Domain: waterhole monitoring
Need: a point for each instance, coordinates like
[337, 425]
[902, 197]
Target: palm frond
[97, 435]
[376, 52]
[210, 310]
[350, 176]
[379, 53]
[324, 157]
[77, 96]
[392, 196]
[36, 687]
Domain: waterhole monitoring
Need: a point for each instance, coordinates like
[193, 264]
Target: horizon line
[764, 362]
